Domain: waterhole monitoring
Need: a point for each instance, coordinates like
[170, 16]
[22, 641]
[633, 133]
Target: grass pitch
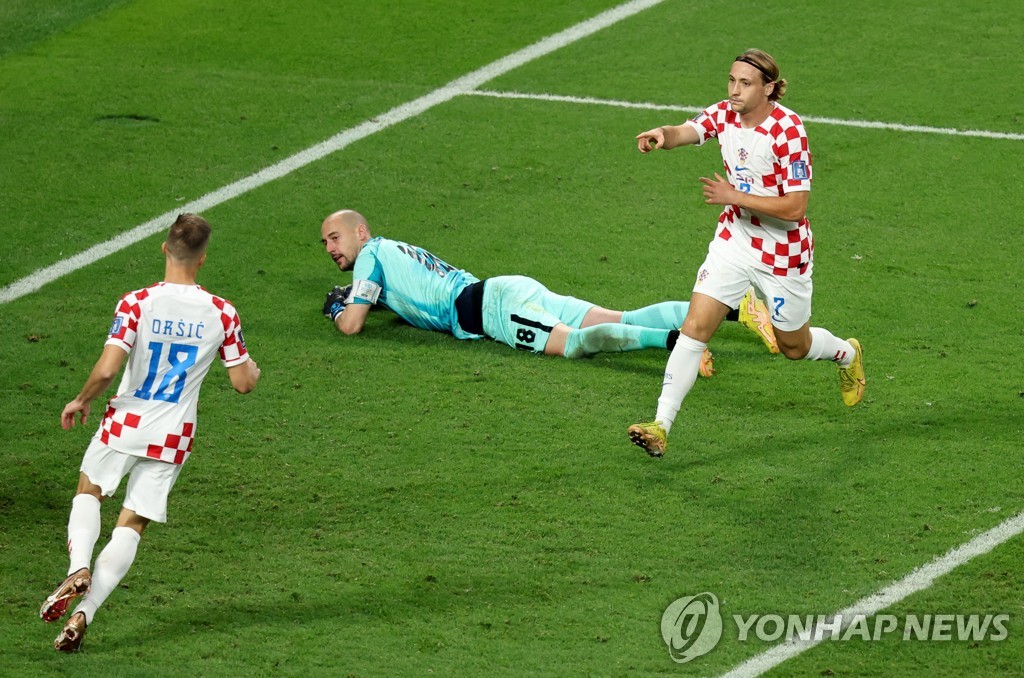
[400, 503]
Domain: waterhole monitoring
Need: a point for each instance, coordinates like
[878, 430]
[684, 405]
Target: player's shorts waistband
[469, 306]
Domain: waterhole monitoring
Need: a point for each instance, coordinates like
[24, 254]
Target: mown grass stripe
[411, 109]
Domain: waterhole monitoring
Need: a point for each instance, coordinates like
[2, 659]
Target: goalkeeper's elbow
[348, 328]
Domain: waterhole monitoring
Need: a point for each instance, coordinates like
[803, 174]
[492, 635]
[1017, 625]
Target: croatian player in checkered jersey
[763, 236]
[170, 334]
[518, 311]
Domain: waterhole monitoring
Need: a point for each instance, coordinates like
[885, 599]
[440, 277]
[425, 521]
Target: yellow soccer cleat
[707, 364]
[755, 317]
[650, 436]
[851, 379]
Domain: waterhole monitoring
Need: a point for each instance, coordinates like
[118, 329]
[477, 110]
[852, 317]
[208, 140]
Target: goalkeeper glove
[334, 304]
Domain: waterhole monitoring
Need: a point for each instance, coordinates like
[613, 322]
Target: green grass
[23, 23]
[399, 502]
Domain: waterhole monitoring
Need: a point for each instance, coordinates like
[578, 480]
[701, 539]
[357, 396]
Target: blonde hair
[769, 70]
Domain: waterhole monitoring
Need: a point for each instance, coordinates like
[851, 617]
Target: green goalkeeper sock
[613, 338]
[668, 315]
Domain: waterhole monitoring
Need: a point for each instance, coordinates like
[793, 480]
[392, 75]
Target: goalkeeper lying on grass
[518, 311]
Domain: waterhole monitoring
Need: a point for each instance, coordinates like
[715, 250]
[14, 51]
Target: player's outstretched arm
[666, 137]
[102, 375]
[244, 377]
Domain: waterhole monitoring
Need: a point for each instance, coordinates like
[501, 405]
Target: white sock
[680, 373]
[83, 530]
[111, 566]
[827, 346]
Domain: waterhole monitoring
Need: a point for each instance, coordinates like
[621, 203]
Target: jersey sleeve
[367, 278]
[708, 123]
[789, 144]
[125, 327]
[232, 349]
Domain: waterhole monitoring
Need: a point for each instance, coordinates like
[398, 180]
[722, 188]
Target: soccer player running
[518, 311]
[763, 236]
[170, 334]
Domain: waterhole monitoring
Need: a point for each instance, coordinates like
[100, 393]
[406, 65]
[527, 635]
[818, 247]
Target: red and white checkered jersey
[171, 334]
[768, 160]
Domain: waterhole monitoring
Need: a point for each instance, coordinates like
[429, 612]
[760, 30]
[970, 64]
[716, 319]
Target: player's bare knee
[793, 347]
[86, 486]
[794, 352]
[700, 331]
[598, 315]
[795, 344]
[133, 520]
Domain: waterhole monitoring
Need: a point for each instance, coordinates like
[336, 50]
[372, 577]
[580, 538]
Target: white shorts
[788, 298]
[149, 480]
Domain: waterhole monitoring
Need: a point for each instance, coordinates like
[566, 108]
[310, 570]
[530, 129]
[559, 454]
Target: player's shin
[827, 346]
[111, 566]
[668, 315]
[680, 374]
[83, 531]
[612, 338]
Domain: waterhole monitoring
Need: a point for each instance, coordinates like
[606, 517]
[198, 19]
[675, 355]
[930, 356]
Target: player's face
[341, 243]
[748, 93]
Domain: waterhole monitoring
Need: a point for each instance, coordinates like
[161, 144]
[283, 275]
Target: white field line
[865, 124]
[921, 578]
[461, 85]
[918, 580]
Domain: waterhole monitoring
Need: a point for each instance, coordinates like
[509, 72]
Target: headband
[748, 60]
